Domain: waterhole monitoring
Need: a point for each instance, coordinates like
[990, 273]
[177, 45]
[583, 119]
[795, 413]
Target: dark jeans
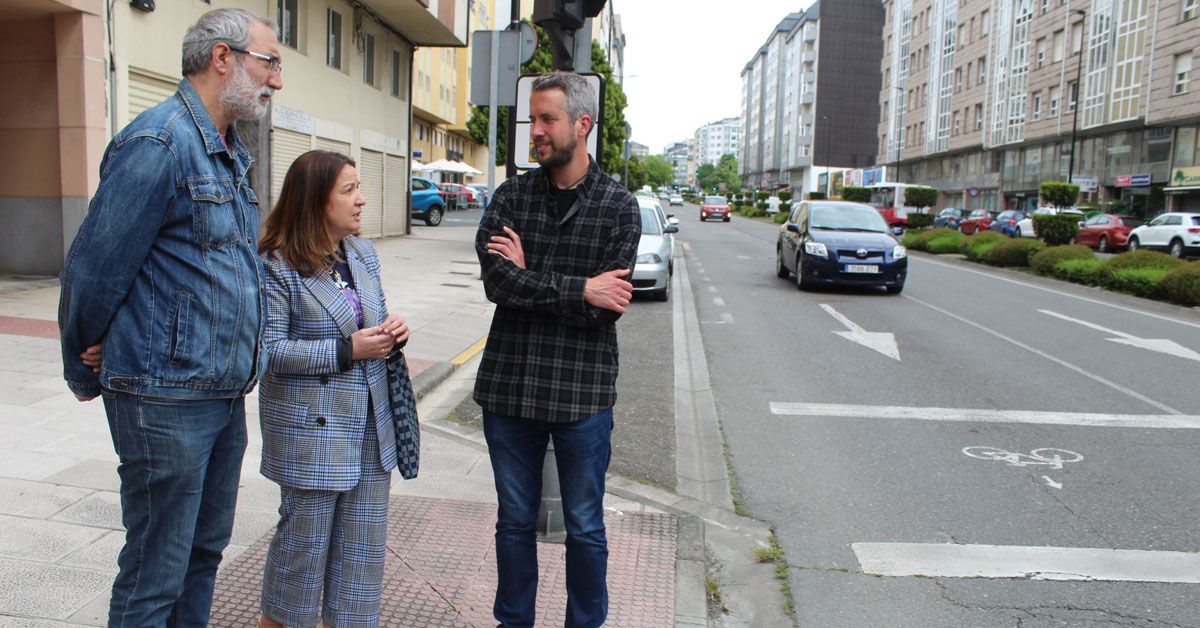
[180, 464]
[582, 449]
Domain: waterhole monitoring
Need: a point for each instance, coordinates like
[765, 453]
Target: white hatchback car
[656, 248]
[1025, 225]
[1177, 233]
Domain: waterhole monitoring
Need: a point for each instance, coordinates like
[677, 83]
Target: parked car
[1107, 232]
[977, 220]
[675, 199]
[1025, 225]
[654, 266]
[427, 202]
[836, 242]
[1006, 222]
[482, 194]
[663, 195]
[457, 195]
[1177, 233]
[950, 217]
[714, 207]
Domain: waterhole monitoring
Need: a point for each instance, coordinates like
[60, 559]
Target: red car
[979, 220]
[714, 207]
[463, 195]
[1106, 232]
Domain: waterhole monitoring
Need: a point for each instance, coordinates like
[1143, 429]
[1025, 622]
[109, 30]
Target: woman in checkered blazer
[328, 436]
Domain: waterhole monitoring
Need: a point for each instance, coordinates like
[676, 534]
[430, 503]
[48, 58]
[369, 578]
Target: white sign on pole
[524, 154]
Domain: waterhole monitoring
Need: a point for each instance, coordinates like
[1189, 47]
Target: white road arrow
[1052, 483]
[881, 342]
[1160, 345]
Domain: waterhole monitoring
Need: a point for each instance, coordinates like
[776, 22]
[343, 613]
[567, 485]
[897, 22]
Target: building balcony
[809, 56]
[441, 24]
[808, 77]
[800, 161]
[808, 98]
[810, 35]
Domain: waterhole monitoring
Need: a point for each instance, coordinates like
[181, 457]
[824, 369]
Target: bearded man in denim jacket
[161, 314]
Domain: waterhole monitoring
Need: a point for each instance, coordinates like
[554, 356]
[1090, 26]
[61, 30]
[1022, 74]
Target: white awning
[1182, 188]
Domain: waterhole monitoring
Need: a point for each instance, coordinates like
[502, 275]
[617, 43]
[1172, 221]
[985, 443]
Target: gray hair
[581, 98]
[231, 26]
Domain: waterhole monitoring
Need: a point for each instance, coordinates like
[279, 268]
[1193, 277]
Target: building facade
[711, 141]
[802, 104]
[92, 66]
[678, 154]
[981, 99]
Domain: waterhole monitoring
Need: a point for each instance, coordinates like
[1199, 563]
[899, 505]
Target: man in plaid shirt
[557, 245]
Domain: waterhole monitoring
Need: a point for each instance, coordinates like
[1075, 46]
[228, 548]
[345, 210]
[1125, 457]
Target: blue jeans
[582, 450]
[180, 464]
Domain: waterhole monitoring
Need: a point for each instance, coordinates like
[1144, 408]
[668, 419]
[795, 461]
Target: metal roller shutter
[286, 146]
[370, 174]
[395, 196]
[145, 91]
[333, 145]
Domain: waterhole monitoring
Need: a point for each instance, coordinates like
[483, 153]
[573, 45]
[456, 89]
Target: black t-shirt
[563, 199]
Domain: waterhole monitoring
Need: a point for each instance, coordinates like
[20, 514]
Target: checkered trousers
[331, 540]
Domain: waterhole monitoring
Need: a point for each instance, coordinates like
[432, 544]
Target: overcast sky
[684, 58]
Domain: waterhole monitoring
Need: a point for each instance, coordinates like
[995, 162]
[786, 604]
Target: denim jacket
[164, 271]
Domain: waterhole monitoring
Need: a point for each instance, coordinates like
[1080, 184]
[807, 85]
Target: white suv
[1176, 233]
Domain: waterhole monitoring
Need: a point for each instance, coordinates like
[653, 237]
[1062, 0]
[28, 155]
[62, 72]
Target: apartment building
[980, 98]
[803, 104]
[440, 100]
[678, 154]
[86, 68]
[710, 142]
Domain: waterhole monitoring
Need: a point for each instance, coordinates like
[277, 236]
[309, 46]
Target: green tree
[637, 173]
[658, 171]
[612, 142]
[710, 177]
[1059, 193]
[920, 197]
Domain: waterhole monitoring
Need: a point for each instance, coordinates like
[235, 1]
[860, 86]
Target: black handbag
[404, 416]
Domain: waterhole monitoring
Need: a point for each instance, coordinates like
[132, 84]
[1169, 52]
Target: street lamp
[1078, 93]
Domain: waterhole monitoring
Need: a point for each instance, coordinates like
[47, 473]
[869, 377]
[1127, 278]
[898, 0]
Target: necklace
[577, 182]
[337, 279]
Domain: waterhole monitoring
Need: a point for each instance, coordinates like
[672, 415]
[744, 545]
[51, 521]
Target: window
[369, 60]
[958, 80]
[978, 117]
[968, 73]
[985, 23]
[333, 51]
[957, 126]
[1073, 90]
[982, 70]
[1037, 106]
[1076, 37]
[1059, 39]
[289, 21]
[1045, 5]
[961, 40]
[1191, 8]
[397, 74]
[971, 30]
[1040, 47]
[1183, 67]
[1055, 97]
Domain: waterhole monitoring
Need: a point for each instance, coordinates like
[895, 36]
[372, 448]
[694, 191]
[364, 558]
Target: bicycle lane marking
[1087, 419]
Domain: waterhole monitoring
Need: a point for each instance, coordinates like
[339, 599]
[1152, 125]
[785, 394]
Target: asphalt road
[1033, 358]
[644, 434]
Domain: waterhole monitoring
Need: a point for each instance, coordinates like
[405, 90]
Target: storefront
[1140, 195]
[1183, 192]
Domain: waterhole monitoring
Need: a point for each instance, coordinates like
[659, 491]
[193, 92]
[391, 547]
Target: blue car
[427, 201]
[950, 217]
[1006, 223]
[840, 243]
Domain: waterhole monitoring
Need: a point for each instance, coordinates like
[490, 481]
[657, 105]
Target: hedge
[1059, 193]
[785, 196]
[976, 244]
[1136, 259]
[1182, 284]
[1056, 229]
[920, 221]
[753, 212]
[1014, 253]
[781, 217]
[1045, 261]
[945, 243]
[918, 240]
[920, 197]
[1139, 281]
[856, 194]
[1078, 270]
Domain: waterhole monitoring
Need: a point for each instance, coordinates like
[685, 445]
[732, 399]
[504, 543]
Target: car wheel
[1133, 244]
[781, 269]
[727, 219]
[671, 269]
[1102, 246]
[801, 284]
[433, 217]
[1176, 249]
[896, 289]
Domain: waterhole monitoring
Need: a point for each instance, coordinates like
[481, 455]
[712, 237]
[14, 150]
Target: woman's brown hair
[296, 227]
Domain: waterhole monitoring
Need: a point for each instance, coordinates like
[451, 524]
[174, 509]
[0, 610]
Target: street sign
[1086, 184]
[481, 68]
[524, 155]
[972, 191]
[1131, 180]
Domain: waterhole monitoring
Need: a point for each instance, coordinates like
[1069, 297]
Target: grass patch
[769, 553]
[772, 552]
[735, 492]
[712, 591]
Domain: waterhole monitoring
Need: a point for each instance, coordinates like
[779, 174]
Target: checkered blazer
[313, 416]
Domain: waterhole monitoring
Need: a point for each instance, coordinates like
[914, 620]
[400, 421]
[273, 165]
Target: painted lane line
[1154, 421]
[1032, 563]
[718, 301]
[1160, 345]
[1051, 483]
[1056, 292]
[877, 341]
[1107, 382]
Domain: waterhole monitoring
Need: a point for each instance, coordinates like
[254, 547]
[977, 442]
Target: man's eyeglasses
[274, 64]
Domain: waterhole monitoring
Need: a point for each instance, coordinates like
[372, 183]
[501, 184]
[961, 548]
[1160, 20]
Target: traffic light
[569, 14]
[562, 21]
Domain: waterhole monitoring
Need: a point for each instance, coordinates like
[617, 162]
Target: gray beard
[240, 96]
[558, 157]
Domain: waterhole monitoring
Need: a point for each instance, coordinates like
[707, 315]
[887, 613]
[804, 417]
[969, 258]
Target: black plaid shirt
[551, 356]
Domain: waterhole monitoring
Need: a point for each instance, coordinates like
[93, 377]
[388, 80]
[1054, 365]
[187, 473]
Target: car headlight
[649, 258]
[899, 252]
[815, 248]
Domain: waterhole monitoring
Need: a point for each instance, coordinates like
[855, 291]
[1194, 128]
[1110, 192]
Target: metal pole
[1078, 93]
[493, 96]
[828, 182]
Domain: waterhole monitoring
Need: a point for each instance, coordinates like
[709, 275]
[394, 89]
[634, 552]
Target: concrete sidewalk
[60, 525]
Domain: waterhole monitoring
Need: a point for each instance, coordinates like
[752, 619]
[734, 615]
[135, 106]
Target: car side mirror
[670, 215]
[898, 231]
[793, 227]
[670, 229]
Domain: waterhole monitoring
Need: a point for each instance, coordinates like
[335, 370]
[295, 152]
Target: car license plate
[861, 268]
